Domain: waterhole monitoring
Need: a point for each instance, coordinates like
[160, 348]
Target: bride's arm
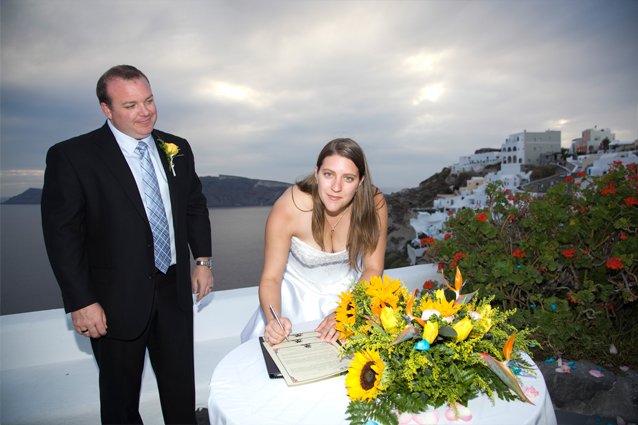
[372, 266]
[279, 231]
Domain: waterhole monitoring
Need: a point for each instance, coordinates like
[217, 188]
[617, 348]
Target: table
[241, 393]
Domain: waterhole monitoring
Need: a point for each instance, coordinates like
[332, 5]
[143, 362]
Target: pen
[274, 313]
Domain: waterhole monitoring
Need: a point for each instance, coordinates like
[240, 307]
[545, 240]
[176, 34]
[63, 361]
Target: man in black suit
[119, 211]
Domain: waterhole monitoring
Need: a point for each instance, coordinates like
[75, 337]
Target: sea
[27, 282]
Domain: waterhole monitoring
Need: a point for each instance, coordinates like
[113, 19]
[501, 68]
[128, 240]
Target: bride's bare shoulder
[293, 203]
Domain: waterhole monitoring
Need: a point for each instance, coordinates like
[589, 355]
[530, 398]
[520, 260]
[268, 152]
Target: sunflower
[364, 375]
[386, 290]
[440, 304]
[345, 331]
[346, 313]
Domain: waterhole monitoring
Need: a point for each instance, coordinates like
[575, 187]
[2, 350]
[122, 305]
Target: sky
[259, 87]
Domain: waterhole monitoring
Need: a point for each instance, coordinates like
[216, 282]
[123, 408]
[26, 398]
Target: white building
[602, 164]
[591, 140]
[476, 161]
[511, 176]
[526, 148]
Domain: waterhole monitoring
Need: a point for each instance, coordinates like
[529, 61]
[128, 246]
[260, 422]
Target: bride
[323, 233]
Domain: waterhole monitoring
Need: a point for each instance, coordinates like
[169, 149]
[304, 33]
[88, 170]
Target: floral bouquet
[414, 352]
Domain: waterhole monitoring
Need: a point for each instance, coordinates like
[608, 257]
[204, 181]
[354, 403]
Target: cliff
[29, 197]
[232, 191]
[222, 191]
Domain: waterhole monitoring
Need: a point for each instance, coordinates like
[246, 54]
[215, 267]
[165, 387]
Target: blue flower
[501, 265]
[601, 369]
[551, 359]
[532, 305]
[553, 306]
[422, 345]
[571, 363]
[518, 267]
[532, 345]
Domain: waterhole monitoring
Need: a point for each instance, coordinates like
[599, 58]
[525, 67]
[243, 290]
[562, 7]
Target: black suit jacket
[97, 234]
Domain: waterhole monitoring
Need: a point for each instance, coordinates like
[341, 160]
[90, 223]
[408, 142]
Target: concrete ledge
[46, 337]
[48, 374]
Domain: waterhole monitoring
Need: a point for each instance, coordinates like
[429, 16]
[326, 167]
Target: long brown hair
[364, 221]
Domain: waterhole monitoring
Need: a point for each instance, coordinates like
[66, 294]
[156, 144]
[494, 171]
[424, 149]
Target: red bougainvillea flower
[482, 252]
[572, 300]
[582, 210]
[577, 184]
[427, 241]
[440, 267]
[458, 256]
[581, 174]
[569, 179]
[511, 217]
[453, 264]
[518, 253]
[623, 236]
[449, 213]
[614, 263]
[631, 201]
[481, 217]
[427, 284]
[550, 245]
[511, 198]
[585, 252]
[608, 189]
[447, 236]
[569, 253]
[633, 167]
[507, 191]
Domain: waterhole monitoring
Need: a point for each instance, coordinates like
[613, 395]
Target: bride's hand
[327, 328]
[273, 334]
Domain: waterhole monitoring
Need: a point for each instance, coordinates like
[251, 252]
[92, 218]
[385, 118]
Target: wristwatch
[208, 263]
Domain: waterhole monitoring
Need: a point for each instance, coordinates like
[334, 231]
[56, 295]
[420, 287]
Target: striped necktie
[155, 210]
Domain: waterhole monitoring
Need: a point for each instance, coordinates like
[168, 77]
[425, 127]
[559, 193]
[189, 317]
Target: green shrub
[566, 262]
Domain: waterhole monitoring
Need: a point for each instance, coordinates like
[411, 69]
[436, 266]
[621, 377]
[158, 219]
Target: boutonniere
[171, 150]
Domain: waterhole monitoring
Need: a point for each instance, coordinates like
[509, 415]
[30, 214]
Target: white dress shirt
[127, 146]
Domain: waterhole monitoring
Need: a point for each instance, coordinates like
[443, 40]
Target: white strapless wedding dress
[310, 288]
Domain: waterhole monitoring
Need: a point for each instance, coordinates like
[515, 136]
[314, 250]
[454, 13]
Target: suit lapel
[170, 178]
[110, 152]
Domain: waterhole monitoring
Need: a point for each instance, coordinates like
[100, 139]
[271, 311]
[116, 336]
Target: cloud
[259, 87]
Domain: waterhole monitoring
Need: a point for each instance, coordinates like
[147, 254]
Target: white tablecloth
[241, 393]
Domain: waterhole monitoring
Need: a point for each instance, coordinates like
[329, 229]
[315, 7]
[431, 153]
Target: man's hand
[202, 281]
[90, 321]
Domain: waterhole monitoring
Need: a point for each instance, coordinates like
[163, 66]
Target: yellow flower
[462, 329]
[347, 311]
[430, 331]
[484, 324]
[345, 332]
[364, 376]
[171, 149]
[386, 291]
[389, 320]
[446, 308]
